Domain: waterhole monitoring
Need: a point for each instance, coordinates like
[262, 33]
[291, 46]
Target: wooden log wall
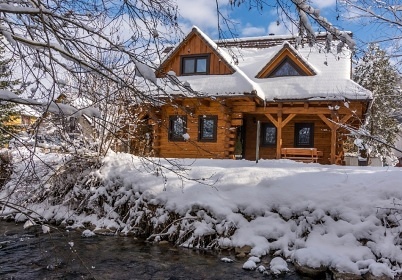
[233, 113]
[193, 108]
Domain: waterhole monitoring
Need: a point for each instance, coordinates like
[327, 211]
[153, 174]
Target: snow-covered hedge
[343, 218]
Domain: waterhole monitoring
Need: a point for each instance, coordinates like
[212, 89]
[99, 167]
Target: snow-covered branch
[50, 39]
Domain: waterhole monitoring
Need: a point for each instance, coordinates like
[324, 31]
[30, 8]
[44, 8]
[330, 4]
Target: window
[72, 124]
[286, 68]
[25, 120]
[268, 134]
[177, 128]
[207, 128]
[304, 134]
[192, 65]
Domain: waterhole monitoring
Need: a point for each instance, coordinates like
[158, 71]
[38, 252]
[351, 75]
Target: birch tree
[49, 39]
[299, 16]
[384, 18]
[59, 46]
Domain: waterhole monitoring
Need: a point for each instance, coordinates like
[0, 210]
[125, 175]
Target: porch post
[333, 128]
[333, 144]
[279, 136]
[279, 124]
[257, 144]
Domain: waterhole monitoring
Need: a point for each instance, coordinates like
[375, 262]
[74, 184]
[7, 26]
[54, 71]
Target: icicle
[298, 41]
[339, 47]
[328, 42]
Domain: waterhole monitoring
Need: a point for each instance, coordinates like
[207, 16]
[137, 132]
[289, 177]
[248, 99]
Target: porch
[268, 130]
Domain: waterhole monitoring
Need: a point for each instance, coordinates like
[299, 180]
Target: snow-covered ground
[344, 218]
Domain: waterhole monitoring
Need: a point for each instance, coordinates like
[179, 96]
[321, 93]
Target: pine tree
[376, 73]
[7, 109]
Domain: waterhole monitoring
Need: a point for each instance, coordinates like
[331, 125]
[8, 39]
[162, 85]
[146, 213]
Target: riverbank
[328, 218]
[26, 255]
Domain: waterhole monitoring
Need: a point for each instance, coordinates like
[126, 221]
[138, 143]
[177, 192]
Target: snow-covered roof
[28, 110]
[331, 80]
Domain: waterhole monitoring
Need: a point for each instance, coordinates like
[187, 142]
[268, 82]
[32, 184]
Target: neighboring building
[24, 116]
[20, 120]
[297, 97]
[62, 126]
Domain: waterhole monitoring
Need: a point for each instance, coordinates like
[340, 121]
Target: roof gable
[197, 43]
[327, 74]
[287, 57]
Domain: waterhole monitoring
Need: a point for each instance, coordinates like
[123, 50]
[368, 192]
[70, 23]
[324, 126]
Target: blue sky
[202, 13]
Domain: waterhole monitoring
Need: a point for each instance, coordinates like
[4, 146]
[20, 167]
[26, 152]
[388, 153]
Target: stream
[63, 254]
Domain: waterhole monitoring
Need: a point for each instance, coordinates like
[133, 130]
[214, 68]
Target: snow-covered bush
[342, 218]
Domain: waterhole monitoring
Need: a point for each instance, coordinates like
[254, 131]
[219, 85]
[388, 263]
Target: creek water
[63, 254]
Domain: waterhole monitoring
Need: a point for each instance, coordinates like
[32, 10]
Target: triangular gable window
[286, 68]
[286, 63]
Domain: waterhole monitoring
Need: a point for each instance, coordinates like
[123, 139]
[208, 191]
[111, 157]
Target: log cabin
[251, 97]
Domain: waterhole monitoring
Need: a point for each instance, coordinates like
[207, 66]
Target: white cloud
[320, 4]
[201, 13]
[281, 29]
[250, 30]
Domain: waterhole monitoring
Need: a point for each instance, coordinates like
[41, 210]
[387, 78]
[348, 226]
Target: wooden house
[250, 98]
[24, 117]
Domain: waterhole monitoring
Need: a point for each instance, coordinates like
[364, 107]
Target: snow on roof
[26, 110]
[241, 80]
[331, 82]
[8, 96]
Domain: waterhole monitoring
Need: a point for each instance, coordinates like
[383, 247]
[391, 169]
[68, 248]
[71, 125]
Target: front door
[240, 143]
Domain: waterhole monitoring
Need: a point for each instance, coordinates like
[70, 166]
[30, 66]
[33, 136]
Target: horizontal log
[300, 110]
[237, 122]
[237, 115]
[245, 108]
[194, 154]
[229, 138]
[230, 143]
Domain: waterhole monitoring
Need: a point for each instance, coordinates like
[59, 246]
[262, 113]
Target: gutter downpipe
[257, 145]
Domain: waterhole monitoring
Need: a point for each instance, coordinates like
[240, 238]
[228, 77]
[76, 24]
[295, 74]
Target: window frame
[195, 58]
[300, 126]
[25, 120]
[264, 127]
[279, 66]
[201, 119]
[173, 136]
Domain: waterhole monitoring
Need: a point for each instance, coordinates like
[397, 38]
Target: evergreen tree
[375, 73]
[7, 109]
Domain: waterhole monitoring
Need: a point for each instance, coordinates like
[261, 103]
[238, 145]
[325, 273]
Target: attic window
[286, 68]
[195, 65]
